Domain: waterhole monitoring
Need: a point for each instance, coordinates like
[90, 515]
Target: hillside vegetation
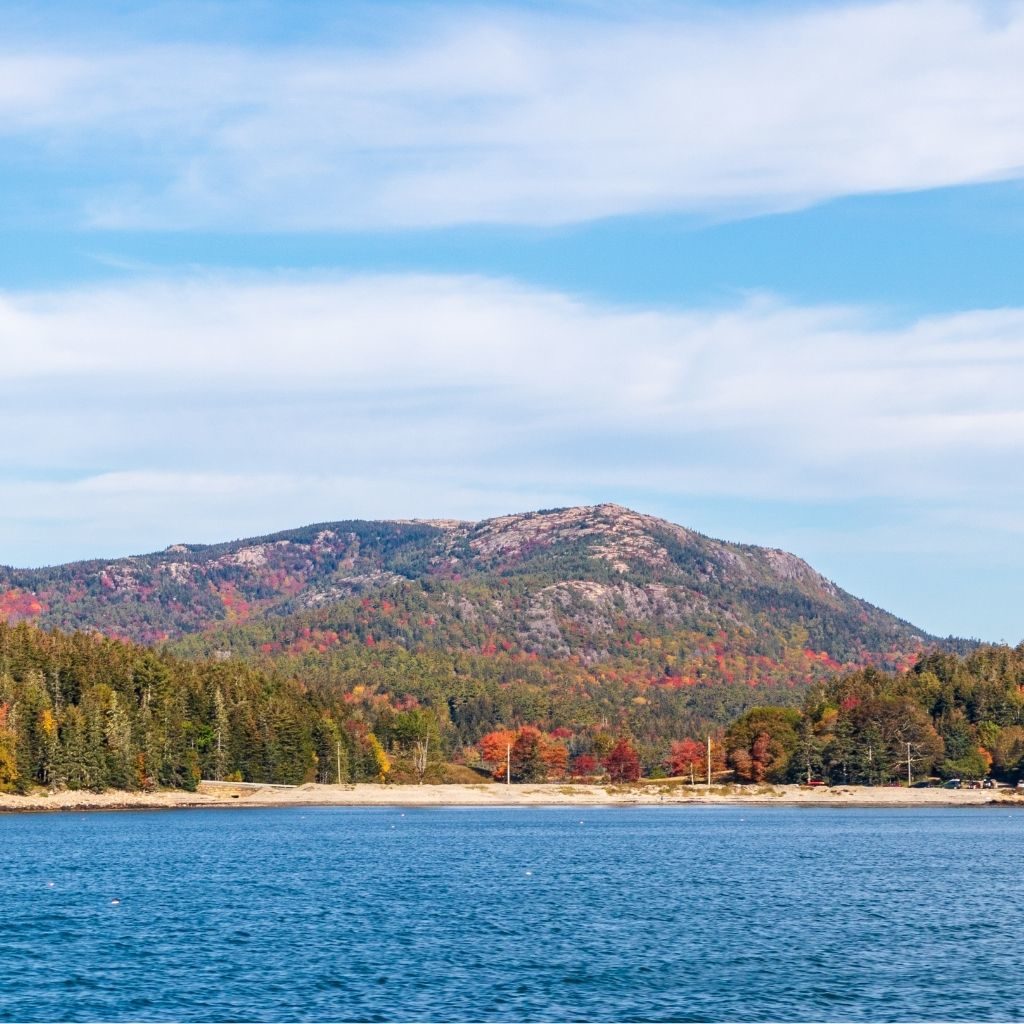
[83, 711]
[597, 585]
[955, 717]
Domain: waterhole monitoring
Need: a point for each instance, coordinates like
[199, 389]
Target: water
[697, 913]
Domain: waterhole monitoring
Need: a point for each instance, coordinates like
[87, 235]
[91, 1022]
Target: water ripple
[495, 915]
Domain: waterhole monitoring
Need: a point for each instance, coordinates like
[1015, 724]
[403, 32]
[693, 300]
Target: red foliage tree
[686, 758]
[584, 765]
[623, 762]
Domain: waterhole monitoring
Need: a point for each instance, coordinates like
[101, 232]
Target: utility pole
[338, 755]
[709, 760]
[508, 764]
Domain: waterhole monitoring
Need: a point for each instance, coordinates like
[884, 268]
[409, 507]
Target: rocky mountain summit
[591, 583]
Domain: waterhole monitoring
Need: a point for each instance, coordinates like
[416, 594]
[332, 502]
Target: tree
[963, 758]
[806, 762]
[584, 765]
[50, 745]
[381, 760]
[331, 752]
[291, 746]
[623, 762]
[886, 724]
[1007, 748]
[759, 743]
[686, 757]
[120, 773]
[415, 731]
[221, 732]
[839, 754]
[8, 760]
[555, 755]
[527, 756]
[421, 758]
[495, 748]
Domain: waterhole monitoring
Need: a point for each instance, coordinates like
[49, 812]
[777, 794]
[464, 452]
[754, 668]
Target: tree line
[79, 710]
[950, 716]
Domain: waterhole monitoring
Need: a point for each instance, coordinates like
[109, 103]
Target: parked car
[1020, 785]
[988, 784]
[952, 784]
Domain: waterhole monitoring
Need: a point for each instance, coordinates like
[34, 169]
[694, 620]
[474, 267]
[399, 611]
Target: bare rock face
[615, 534]
[789, 567]
[629, 541]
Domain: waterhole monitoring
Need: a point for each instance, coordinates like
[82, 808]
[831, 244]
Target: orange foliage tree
[526, 754]
[494, 749]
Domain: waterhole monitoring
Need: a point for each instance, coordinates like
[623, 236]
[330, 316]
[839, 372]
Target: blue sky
[751, 267]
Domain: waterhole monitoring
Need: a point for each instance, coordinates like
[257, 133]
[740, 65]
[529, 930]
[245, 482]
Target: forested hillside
[84, 711]
[81, 710]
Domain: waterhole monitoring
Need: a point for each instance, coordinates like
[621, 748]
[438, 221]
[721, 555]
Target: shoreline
[649, 794]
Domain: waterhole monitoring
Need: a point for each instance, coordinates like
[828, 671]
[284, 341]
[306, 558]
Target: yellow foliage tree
[47, 723]
[8, 762]
[380, 756]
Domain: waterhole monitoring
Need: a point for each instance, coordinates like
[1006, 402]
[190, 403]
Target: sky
[752, 267]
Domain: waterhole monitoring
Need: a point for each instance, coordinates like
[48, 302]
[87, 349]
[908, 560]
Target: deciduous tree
[623, 762]
[687, 757]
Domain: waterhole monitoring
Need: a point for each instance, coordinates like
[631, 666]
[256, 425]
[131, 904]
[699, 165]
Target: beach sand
[652, 793]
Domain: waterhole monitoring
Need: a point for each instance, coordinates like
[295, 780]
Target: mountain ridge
[606, 561]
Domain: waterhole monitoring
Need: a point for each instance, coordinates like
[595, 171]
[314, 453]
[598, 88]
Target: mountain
[587, 620]
[585, 582]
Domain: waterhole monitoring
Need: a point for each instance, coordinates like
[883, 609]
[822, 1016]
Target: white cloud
[466, 374]
[212, 407]
[534, 118]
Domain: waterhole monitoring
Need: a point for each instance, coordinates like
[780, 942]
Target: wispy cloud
[530, 118]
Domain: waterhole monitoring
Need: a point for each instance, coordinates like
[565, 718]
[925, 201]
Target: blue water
[742, 914]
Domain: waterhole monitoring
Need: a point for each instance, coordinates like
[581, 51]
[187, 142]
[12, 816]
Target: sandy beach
[497, 795]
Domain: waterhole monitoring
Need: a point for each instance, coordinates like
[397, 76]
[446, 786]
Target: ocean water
[692, 913]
